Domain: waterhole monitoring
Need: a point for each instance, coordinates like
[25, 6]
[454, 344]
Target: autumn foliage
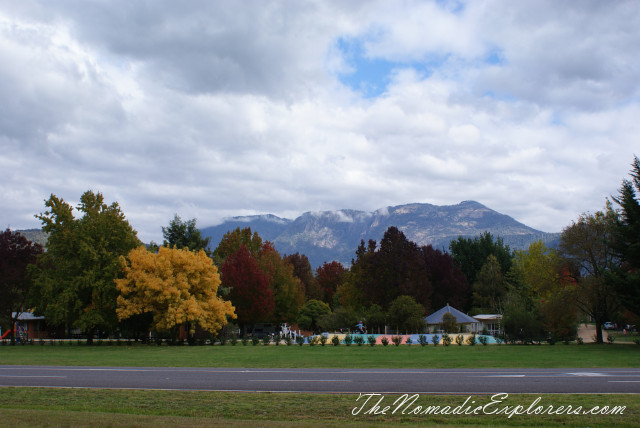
[178, 286]
[250, 291]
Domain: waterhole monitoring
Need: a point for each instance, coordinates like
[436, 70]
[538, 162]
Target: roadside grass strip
[81, 407]
[328, 356]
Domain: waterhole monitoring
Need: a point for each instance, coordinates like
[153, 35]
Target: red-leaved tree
[249, 288]
[329, 277]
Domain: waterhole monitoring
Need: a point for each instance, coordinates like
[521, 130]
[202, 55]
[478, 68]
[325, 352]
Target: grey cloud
[213, 109]
[273, 48]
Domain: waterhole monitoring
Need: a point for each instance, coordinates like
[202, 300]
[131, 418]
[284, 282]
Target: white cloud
[218, 109]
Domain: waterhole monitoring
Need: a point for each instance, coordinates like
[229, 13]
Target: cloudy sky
[211, 109]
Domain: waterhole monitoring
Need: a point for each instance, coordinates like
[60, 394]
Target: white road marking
[505, 375]
[588, 374]
[30, 376]
[298, 380]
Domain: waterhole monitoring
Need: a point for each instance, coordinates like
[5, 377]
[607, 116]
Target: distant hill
[35, 235]
[335, 235]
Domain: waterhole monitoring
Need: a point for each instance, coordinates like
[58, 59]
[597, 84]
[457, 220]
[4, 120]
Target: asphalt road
[329, 380]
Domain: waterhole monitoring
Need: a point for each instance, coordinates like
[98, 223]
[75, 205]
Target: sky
[211, 109]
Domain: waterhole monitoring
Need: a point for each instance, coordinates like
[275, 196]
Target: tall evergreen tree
[626, 241]
[184, 234]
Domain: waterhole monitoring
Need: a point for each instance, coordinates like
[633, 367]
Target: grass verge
[505, 356]
[43, 407]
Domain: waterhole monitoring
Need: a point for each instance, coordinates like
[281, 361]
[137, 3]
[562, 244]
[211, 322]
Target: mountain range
[334, 235]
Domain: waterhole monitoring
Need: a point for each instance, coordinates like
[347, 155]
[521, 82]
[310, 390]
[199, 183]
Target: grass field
[53, 407]
[74, 407]
[415, 356]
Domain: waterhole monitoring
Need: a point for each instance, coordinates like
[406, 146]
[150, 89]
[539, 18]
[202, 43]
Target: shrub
[435, 339]
[484, 340]
[276, 339]
[358, 340]
[371, 339]
[266, 339]
[637, 341]
[300, 340]
[408, 341]
[348, 339]
[255, 340]
[499, 340]
[580, 341]
[287, 340]
[446, 339]
[323, 339]
[244, 340]
[471, 340]
[422, 340]
[234, 340]
[551, 340]
[384, 341]
[459, 339]
[335, 340]
[223, 339]
[610, 338]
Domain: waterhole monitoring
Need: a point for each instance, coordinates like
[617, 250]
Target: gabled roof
[461, 318]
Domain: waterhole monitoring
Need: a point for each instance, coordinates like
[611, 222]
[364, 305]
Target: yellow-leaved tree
[178, 286]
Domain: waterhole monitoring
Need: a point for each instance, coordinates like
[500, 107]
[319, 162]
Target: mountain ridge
[324, 236]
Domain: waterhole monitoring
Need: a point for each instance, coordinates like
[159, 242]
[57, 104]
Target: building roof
[488, 317]
[26, 316]
[461, 318]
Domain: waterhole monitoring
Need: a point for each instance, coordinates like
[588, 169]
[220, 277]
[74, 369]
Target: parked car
[609, 326]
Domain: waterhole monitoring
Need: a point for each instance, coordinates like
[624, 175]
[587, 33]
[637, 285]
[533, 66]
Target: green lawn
[75, 407]
[620, 337]
[414, 356]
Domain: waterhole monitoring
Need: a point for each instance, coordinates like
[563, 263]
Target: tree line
[96, 276]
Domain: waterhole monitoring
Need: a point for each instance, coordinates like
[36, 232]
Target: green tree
[302, 270]
[625, 278]
[376, 318]
[233, 240]
[311, 313]
[16, 254]
[490, 287]
[449, 323]
[74, 279]
[542, 282]
[342, 317]
[471, 254]
[522, 320]
[184, 234]
[406, 315]
[585, 245]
